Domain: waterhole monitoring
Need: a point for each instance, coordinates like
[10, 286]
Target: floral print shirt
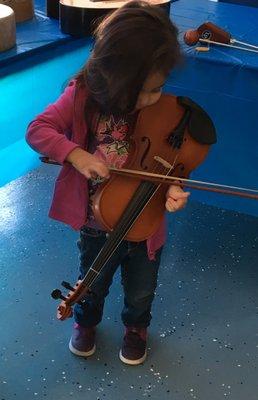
[110, 144]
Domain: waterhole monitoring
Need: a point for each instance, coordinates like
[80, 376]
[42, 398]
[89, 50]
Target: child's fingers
[86, 173]
[102, 171]
[175, 205]
[176, 191]
[171, 205]
[181, 195]
[94, 171]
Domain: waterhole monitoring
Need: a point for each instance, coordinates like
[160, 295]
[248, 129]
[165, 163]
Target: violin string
[116, 239]
[91, 275]
[114, 243]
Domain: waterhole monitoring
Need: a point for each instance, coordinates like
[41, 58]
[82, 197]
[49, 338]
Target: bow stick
[166, 179]
[194, 184]
[226, 45]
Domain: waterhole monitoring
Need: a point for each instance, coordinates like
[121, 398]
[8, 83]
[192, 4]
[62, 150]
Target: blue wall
[34, 83]
[252, 3]
[233, 160]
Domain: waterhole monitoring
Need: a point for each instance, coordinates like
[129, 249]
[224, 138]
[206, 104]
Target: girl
[87, 130]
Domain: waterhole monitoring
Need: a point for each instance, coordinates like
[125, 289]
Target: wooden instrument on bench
[7, 28]
[23, 9]
[78, 17]
[210, 33]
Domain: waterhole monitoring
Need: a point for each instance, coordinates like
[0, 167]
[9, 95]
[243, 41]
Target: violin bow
[208, 41]
[190, 183]
[173, 180]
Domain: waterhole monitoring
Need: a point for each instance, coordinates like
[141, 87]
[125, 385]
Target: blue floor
[203, 341]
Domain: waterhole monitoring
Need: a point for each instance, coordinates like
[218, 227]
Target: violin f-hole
[145, 139]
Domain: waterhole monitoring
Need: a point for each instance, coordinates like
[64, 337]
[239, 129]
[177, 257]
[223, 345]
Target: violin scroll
[209, 31]
[75, 295]
[64, 311]
[191, 37]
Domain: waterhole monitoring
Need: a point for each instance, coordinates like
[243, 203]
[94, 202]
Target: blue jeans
[139, 280]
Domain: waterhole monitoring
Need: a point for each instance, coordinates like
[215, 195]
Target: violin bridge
[165, 163]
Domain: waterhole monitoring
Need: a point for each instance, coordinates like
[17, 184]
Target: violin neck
[143, 194]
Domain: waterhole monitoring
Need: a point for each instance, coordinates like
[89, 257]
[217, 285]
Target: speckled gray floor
[203, 341]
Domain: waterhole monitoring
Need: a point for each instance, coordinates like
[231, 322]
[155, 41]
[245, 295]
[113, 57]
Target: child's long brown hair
[131, 42]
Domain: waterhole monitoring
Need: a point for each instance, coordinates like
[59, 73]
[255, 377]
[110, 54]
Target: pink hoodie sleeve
[48, 133]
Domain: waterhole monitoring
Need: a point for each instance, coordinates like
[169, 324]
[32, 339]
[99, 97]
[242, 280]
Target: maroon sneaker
[133, 350]
[82, 342]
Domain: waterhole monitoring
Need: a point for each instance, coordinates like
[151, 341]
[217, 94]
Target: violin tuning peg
[57, 294]
[67, 286]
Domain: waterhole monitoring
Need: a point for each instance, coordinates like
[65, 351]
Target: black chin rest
[200, 126]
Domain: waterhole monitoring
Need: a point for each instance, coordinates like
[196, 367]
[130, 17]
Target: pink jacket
[55, 133]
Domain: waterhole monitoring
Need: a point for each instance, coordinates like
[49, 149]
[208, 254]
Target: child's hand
[176, 198]
[87, 164]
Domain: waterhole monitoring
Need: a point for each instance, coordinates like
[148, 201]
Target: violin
[210, 33]
[80, 17]
[171, 138]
